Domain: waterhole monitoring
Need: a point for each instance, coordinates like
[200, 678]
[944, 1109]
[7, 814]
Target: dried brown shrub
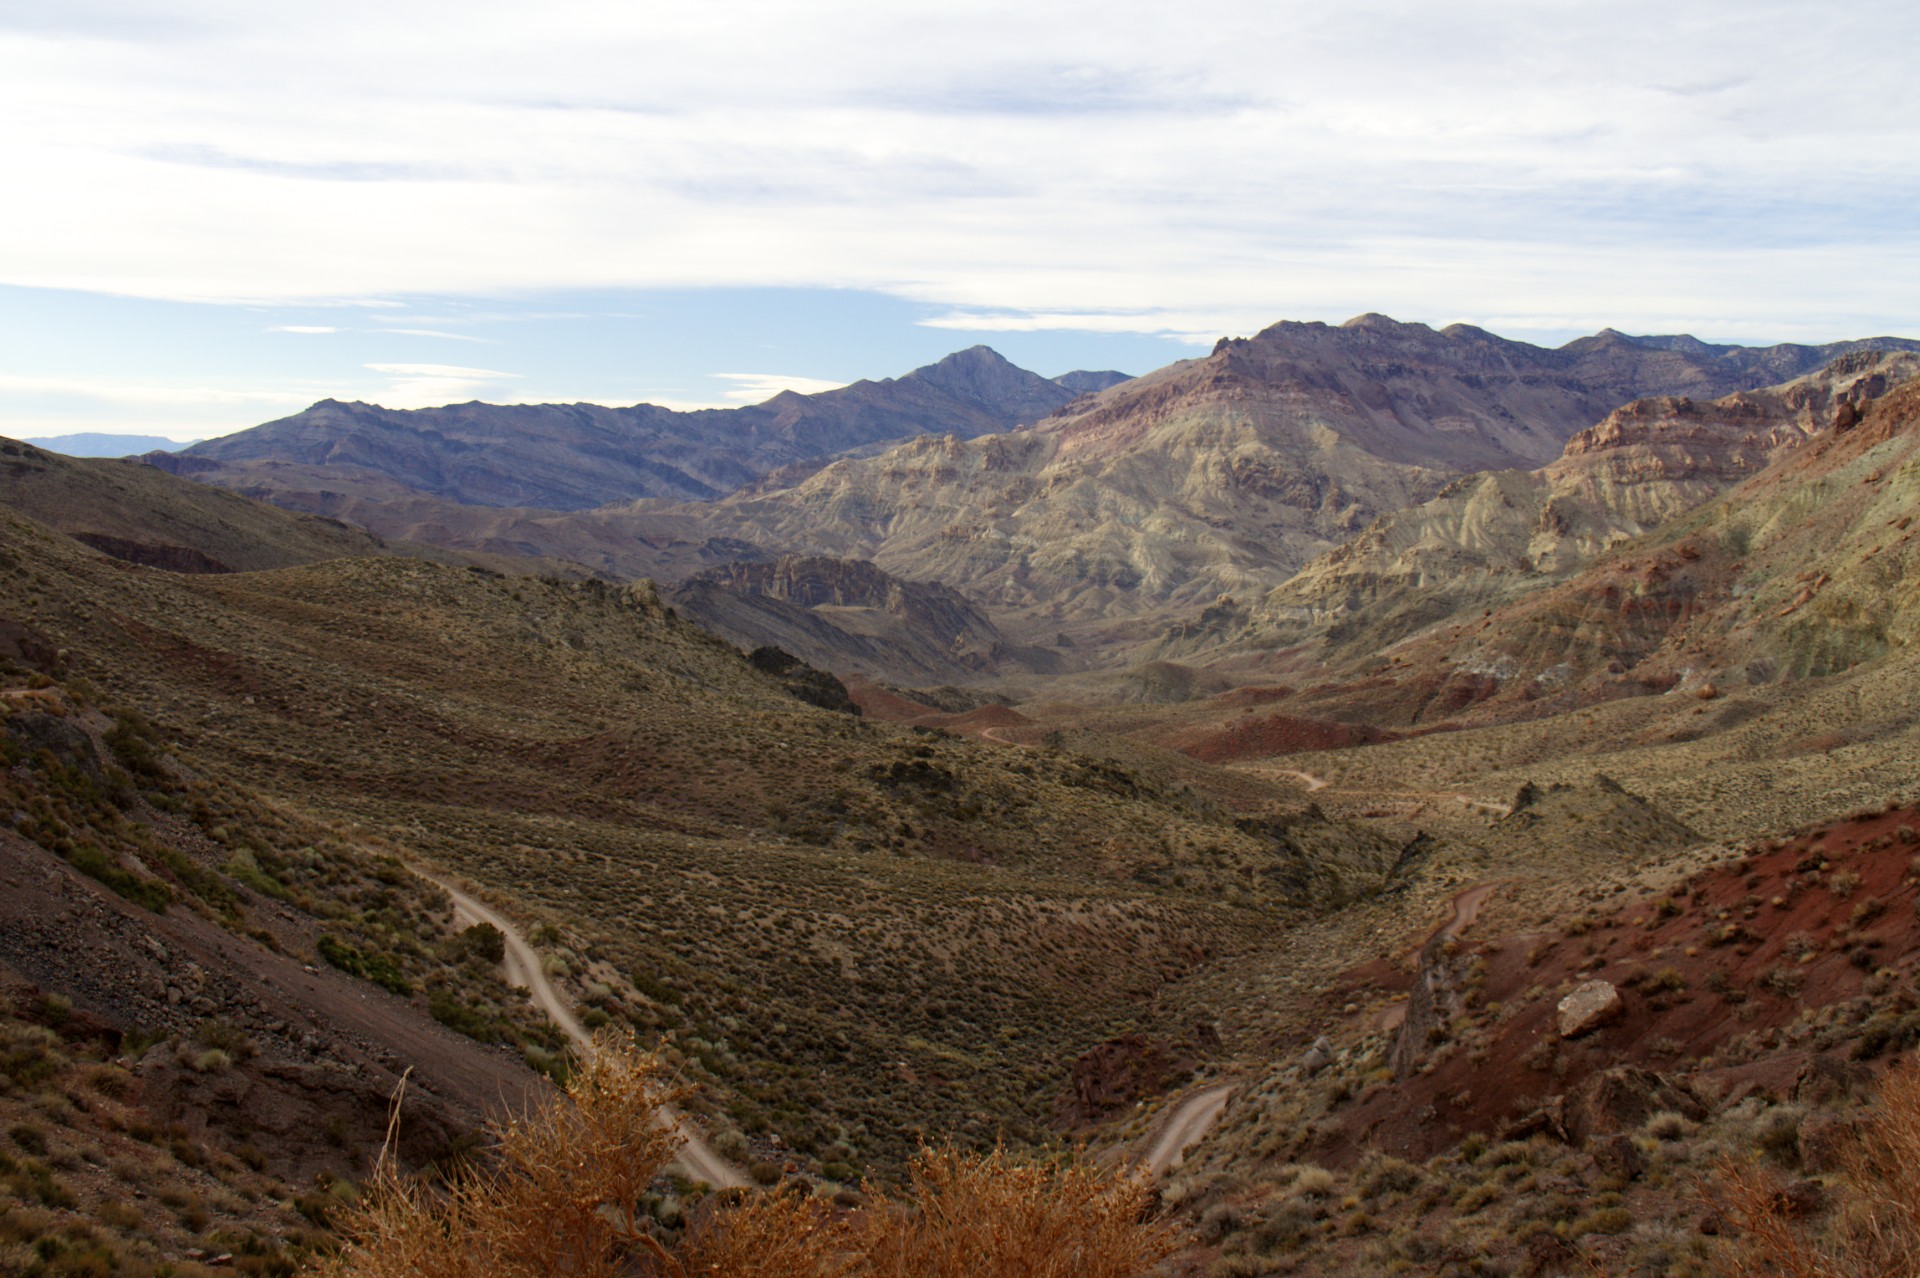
[972, 1214]
[1873, 1228]
[558, 1200]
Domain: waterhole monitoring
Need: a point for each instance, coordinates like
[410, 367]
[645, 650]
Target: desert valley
[1418, 800]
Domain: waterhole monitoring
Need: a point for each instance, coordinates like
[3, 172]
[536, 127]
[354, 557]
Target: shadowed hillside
[858, 931]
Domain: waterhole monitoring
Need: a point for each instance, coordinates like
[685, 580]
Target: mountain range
[1107, 519]
[96, 444]
[576, 456]
[1425, 797]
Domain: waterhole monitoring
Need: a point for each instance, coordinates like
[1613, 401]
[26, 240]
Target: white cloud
[302, 328]
[1190, 327]
[757, 388]
[427, 385]
[40, 404]
[442, 370]
[143, 393]
[60, 405]
[1105, 163]
[745, 389]
[434, 332]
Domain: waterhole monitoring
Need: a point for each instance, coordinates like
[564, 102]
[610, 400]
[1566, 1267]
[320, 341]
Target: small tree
[485, 941]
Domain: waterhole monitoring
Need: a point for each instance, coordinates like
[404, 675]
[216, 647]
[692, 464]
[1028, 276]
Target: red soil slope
[1712, 973]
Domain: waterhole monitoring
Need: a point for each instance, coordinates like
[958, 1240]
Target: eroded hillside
[858, 931]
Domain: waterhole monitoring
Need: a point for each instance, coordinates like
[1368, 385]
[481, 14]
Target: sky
[216, 212]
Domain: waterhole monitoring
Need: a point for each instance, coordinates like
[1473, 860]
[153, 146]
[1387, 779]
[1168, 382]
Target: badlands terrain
[1227, 771]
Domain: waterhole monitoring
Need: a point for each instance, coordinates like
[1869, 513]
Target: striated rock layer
[1489, 536]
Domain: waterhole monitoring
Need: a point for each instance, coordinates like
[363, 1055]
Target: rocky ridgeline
[1490, 537]
[847, 615]
[577, 456]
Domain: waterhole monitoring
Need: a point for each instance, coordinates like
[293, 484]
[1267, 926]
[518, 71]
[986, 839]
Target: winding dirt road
[1184, 1125]
[521, 967]
[1466, 908]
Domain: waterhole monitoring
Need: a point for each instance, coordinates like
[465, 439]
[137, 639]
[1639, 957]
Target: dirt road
[522, 969]
[1184, 1125]
[1466, 908]
[1318, 783]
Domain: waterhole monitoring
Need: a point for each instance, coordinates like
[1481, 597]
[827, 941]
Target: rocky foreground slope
[1566, 1084]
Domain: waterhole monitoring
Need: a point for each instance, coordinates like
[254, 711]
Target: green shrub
[135, 745]
[486, 942]
[149, 894]
[244, 868]
[378, 968]
[463, 1018]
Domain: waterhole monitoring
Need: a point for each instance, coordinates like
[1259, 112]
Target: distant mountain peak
[1385, 323]
[979, 351]
[1084, 381]
[981, 375]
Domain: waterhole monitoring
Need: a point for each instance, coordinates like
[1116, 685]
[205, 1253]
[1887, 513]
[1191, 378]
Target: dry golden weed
[973, 1214]
[558, 1199]
[1873, 1229]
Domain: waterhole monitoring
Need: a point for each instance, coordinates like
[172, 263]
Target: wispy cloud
[434, 332]
[323, 170]
[1066, 90]
[1102, 165]
[426, 385]
[302, 328]
[1190, 327]
[148, 393]
[442, 370]
[756, 388]
[743, 389]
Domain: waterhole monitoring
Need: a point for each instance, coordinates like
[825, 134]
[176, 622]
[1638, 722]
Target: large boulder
[22, 643]
[1590, 1006]
[59, 736]
[1623, 1099]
